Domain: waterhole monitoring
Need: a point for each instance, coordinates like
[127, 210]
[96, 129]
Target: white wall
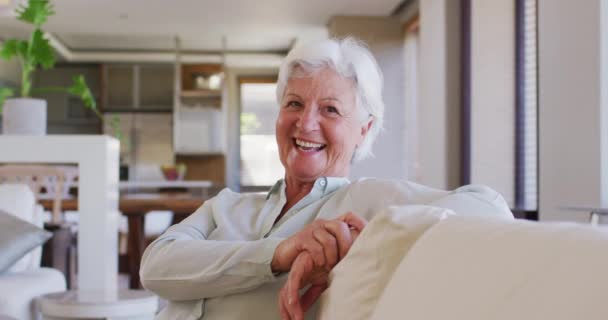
[493, 95]
[573, 124]
[385, 39]
[439, 99]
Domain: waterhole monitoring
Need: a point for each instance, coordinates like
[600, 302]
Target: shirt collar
[323, 185]
[275, 188]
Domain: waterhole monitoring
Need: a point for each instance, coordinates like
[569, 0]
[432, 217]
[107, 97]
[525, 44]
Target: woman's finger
[330, 247]
[312, 294]
[354, 233]
[341, 232]
[282, 302]
[316, 250]
[353, 220]
[289, 249]
[294, 282]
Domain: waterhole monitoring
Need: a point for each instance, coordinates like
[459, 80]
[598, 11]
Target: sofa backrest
[468, 267]
[19, 200]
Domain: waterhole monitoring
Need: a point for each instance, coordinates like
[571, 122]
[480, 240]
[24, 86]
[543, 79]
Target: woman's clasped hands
[309, 256]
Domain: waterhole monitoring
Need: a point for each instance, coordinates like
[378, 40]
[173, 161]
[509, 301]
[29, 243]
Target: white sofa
[470, 267]
[474, 268]
[25, 280]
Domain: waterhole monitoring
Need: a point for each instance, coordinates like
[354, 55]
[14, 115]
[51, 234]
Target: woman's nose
[309, 119]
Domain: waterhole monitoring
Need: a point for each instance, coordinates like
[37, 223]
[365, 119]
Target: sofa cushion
[387, 238]
[358, 280]
[486, 268]
[19, 200]
[17, 238]
[475, 200]
[19, 290]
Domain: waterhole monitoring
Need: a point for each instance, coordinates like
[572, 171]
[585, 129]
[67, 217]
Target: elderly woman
[231, 258]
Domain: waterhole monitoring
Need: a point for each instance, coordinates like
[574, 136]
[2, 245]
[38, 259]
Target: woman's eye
[332, 109]
[293, 104]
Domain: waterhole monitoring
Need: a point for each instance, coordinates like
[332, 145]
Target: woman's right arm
[183, 265]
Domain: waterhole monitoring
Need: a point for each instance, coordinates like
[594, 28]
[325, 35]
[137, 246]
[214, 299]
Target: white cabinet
[199, 120]
[198, 130]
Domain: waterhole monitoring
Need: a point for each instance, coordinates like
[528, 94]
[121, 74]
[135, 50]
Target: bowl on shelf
[174, 172]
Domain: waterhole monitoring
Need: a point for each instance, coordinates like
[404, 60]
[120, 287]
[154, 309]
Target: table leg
[136, 248]
[56, 251]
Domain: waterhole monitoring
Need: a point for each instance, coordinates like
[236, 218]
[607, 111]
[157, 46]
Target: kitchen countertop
[165, 184]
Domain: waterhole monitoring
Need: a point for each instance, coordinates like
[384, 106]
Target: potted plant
[26, 115]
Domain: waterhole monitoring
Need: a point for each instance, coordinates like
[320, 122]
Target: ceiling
[151, 25]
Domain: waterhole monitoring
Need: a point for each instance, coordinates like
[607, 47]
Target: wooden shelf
[190, 71]
[199, 123]
[201, 93]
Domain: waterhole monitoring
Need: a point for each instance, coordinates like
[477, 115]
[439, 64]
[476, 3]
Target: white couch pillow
[19, 200]
[475, 200]
[358, 280]
[479, 268]
[17, 238]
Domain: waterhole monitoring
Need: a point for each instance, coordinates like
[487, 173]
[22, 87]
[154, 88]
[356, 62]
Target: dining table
[135, 207]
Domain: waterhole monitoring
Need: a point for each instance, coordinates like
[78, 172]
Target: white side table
[129, 304]
[97, 158]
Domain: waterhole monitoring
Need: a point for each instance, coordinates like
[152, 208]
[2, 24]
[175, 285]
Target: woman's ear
[365, 128]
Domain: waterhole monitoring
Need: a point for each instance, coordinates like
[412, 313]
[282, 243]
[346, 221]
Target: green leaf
[35, 12]
[4, 93]
[115, 125]
[13, 47]
[9, 49]
[41, 51]
[22, 48]
[80, 89]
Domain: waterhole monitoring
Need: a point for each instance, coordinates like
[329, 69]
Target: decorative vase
[24, 116]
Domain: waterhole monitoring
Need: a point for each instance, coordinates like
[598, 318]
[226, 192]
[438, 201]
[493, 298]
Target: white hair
[352, 59]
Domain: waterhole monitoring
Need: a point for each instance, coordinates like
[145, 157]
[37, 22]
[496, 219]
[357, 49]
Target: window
[260, 164]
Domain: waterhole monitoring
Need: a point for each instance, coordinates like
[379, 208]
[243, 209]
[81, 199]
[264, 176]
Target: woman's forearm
[187, 269]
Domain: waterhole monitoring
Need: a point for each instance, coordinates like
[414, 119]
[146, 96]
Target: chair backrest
[44, 181]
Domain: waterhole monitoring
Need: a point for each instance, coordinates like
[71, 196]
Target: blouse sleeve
[183, 265]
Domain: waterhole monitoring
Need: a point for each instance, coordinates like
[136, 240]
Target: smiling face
[319, 126]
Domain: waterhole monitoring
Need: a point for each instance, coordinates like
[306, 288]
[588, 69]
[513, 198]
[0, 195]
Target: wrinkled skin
[305, 271]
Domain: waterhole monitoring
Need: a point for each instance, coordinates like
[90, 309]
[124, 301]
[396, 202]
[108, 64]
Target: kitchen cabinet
[66, 114]
[137, 87]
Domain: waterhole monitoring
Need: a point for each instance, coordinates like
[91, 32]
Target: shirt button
[322, 183]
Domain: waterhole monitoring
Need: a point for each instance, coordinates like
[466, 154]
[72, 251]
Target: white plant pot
[24, 116]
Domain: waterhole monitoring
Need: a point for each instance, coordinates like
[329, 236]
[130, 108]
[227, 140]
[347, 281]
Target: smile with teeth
[308, 146]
